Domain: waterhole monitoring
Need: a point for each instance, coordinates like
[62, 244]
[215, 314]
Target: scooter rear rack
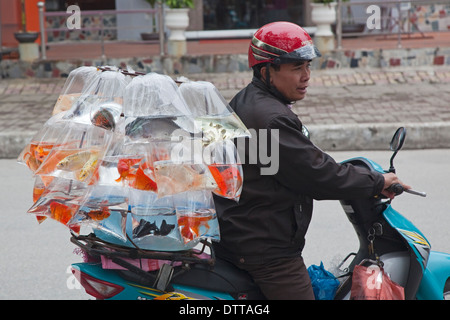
[95, 246]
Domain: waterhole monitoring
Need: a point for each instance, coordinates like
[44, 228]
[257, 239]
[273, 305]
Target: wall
[9, 19]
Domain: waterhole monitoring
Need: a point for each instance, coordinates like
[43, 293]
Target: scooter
[385, 236]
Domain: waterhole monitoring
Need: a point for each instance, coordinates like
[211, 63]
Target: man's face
[291, 80]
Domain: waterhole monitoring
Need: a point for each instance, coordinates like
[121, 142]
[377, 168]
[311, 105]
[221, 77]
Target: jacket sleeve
[306, 169]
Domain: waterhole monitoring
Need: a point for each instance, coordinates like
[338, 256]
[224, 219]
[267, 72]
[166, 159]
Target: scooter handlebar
[398, 189]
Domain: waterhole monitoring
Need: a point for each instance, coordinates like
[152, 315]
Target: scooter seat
[222, 277]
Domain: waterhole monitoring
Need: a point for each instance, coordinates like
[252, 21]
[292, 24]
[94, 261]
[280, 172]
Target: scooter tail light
[95, 287]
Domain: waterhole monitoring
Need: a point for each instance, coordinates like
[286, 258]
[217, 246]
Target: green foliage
[174, 4]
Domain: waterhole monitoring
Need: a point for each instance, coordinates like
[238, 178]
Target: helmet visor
[305, 53]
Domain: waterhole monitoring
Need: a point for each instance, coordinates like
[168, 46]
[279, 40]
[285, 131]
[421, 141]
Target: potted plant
[177, 20]
[23, 36]
[179, 4]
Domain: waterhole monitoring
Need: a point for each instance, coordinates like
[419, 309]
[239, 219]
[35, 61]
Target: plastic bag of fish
[154, 95]
[136, 158]
[76, 83]
[77, 153]
[105, 208]
[37, 150]
[226, 169]
[196, 216]
[100, 102]
[213, 115]
[59, 200]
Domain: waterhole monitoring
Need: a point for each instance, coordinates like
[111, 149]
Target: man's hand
[390, 179]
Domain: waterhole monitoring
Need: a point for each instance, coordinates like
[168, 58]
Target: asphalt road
[35, 258]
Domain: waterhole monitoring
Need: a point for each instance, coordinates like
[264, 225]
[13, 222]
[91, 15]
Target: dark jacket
[274, 211]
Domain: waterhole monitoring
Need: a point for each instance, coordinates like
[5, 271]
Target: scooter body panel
[435, 277]
[416, 240]
[135, 291]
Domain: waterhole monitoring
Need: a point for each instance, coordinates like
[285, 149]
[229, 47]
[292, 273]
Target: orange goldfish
[143, 181]
[63, 213]
[38, 189]
[36, 154]
[228, 179]
[190, 226]
[98, 215]
[124, 167]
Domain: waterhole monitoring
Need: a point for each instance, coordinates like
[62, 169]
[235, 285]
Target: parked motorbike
[385, 236]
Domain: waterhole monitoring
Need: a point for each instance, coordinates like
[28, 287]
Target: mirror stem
[392, 169]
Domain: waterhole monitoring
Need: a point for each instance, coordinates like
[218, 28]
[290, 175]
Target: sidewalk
[344, 109]
[230, 55]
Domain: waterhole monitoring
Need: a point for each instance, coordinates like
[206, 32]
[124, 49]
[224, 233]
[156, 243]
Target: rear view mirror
[396, 144]
[398, 139]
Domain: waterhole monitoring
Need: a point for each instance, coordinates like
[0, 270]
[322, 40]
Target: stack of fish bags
[136, 158]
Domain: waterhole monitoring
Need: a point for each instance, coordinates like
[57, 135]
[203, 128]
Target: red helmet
[281, 42]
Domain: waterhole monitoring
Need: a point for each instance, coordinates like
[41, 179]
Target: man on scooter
[264, 233]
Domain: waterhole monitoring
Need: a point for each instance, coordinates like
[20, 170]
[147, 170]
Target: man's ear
[263, 73]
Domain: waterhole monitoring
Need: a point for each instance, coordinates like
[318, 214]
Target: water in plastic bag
[103, 207]
[35, 152]
[196, 215]
[77, 153]
[213, 115]
[60, 201]
[100, 102]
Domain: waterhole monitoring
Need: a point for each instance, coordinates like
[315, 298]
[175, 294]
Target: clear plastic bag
[213, 115]
[105, 208]
[75, 84]
[196, 216]
[77, 153]
[140, 129]
[40, 184]
[35, 153]
[175, 177]
[153, 95]
[132, 166]
[59, 201]
[224, 165]
[152, 216]
[100, 102]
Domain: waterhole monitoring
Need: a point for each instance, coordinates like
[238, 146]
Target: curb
[352, 137]
[335, 137]
[12, 143]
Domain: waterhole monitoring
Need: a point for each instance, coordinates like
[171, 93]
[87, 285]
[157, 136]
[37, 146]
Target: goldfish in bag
[196, 215]
[137, 173]
[125, 167]
[193, 225]
[40, 183]
[228, 178]
[59, 200]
